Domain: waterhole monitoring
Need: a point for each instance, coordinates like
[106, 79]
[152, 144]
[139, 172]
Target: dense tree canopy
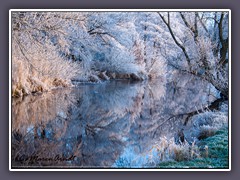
[50, 49]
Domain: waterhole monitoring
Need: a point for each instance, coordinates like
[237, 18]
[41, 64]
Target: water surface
[111, 124]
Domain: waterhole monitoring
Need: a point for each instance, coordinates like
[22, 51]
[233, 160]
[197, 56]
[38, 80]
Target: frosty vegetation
[205, 125]
[54, 49]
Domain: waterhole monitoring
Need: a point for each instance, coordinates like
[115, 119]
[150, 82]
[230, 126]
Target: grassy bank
[215, 156]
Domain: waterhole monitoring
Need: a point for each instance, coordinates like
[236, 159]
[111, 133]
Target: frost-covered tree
[124, 45]
[197, 43]
[39, 45]
[155, 62]
[116, 33]
[50, 49]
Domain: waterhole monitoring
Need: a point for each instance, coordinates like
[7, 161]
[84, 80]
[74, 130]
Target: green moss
[216, 157]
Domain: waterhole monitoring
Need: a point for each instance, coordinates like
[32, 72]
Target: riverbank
[216, 156]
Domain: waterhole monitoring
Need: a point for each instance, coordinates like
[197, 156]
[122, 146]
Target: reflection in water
[113, 124]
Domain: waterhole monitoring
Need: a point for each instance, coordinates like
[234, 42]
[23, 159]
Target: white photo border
[115, 10]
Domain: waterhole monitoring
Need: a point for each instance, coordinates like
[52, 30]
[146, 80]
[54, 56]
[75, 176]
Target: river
[114, 124]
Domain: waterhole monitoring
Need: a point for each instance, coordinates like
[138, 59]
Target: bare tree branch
[174, 38]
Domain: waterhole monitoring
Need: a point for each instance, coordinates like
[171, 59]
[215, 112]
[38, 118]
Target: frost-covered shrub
[122, 62]
[37, 46]
[216, 119]
[206, 124]
[40, 72]
[158, 69]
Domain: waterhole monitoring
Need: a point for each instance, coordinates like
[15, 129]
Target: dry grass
[167, 149]
[214, 154]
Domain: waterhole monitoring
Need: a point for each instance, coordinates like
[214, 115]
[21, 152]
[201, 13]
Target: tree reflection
[97, 124]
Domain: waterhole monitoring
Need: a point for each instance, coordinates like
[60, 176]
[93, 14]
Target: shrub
[41, 74]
